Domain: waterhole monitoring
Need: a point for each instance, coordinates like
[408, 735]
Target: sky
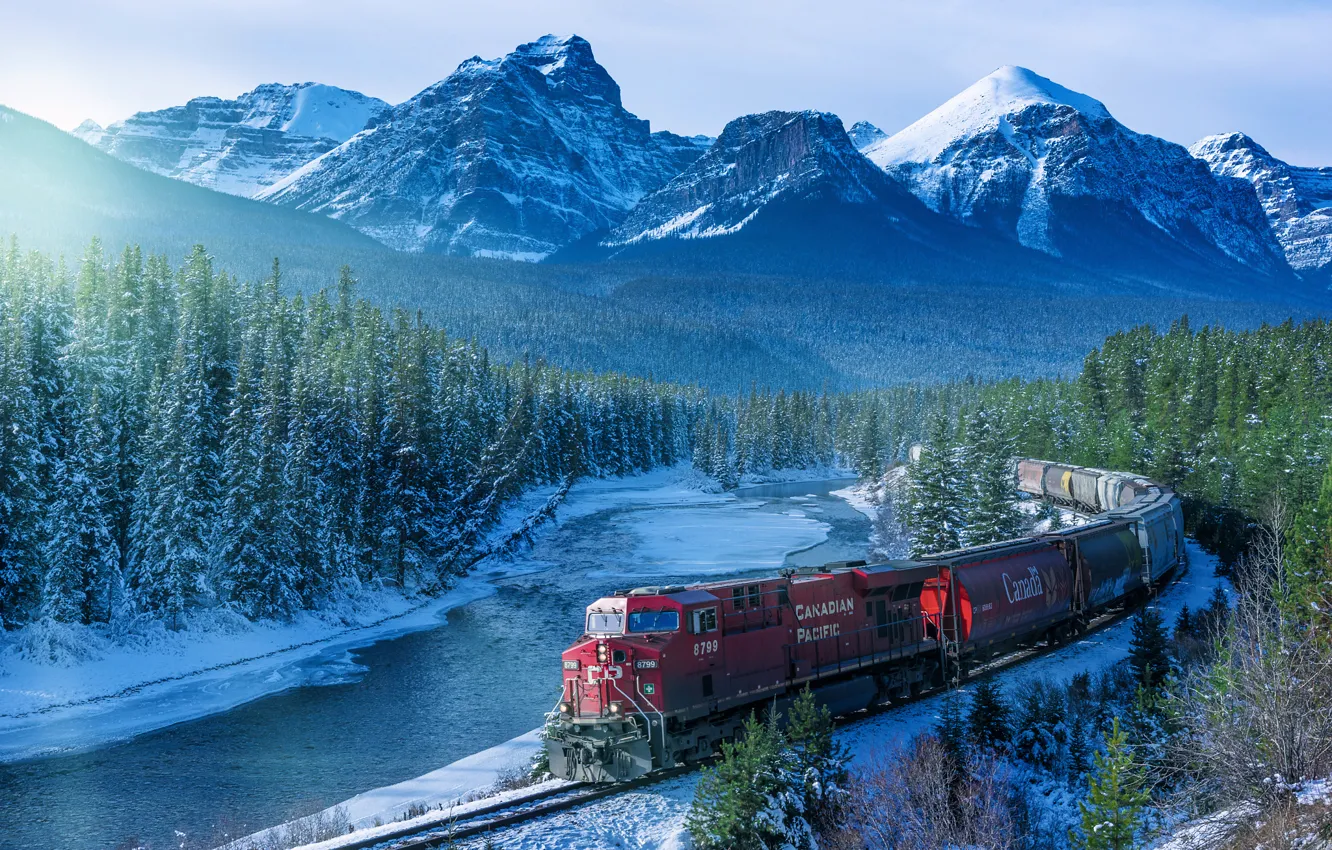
[1180, 69]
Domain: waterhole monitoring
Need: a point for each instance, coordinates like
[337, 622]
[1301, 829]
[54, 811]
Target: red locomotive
[663, 674]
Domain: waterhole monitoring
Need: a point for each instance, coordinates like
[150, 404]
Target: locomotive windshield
[605, 622]
[654, 621]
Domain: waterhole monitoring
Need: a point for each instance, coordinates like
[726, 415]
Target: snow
[326, 112]
[979, 107]
[161, 678]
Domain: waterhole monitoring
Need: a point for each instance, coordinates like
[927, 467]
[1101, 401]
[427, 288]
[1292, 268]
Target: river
[401, 707]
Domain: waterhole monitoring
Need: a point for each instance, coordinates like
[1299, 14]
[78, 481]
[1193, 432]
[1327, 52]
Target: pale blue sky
[1177, 68]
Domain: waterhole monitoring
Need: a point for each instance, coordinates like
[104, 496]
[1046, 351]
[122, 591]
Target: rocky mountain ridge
[1297, 200]
[1023, 156]
[238, 146]
[510, 158]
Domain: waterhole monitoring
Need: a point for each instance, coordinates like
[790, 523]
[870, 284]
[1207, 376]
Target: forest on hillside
[177, 438]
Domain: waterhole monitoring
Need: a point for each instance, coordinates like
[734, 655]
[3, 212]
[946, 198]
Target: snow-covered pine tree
[82, 570]
[935, 487]
[753, 799]
[1040, 726]
[987, 461]
[819, 760]
[20, 496]
[988, 717]
[173, 534]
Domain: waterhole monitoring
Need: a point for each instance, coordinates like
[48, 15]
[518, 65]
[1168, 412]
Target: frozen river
[402, 707]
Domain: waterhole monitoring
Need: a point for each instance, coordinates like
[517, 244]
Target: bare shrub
[513, 778]
[1260, 718]
[1287, 825]
[320, 826]
[912, 800]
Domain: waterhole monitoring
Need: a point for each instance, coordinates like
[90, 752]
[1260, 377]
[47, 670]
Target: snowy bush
[58, 644]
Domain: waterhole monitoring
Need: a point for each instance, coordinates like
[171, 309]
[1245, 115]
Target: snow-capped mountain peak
[863, 134]
[89, 131]
[1297, 200]
[243, 145]
[512, 157]
[756, 161]
[311, 110]
[982, 106]
[1019, 154]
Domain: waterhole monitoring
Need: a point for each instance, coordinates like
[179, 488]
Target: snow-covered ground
[112, 690]
[653, 818]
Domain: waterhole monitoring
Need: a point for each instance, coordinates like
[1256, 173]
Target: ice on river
[715, 539]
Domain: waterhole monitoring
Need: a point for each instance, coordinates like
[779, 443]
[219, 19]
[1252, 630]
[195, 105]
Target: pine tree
[819, 760]
[731, 796]
[991, 513]
[1149, 648]
[951, 729]
[934, 509]
[1113, 811]
[20, 496]
[1310, 551]
[82, 580]
[987, 719]
[1041, 726]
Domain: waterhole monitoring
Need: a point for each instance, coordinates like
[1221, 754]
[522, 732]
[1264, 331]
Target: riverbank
[101, 689]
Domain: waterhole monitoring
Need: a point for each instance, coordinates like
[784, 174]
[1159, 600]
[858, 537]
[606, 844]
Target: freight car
[662, 675]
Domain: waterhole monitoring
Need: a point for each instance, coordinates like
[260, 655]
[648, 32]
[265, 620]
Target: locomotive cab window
[738, 598]
[704, 620]
[605, 623]
[654, 621]
[755, 598]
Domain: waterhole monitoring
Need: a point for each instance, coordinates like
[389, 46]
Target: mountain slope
[1020, 155]
[56, 192]
[1298, 201]
[759, 160]
[512, 157]
[239, 146]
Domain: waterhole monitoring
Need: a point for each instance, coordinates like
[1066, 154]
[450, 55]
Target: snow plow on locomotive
[662, 675]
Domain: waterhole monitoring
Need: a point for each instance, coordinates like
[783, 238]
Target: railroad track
[510, 813]
[475, 822]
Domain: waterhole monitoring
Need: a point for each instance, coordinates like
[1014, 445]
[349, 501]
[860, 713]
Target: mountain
[57, 192]
[511, 157]
[802, 324]
[238, 146]
[757, 161]
[1020, 155]
[1298, 200]
[863, 134]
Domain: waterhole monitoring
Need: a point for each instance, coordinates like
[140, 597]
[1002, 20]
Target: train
[662, 675]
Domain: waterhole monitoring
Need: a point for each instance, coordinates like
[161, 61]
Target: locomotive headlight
[616, 709]
[602, 653]
[566, 708]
